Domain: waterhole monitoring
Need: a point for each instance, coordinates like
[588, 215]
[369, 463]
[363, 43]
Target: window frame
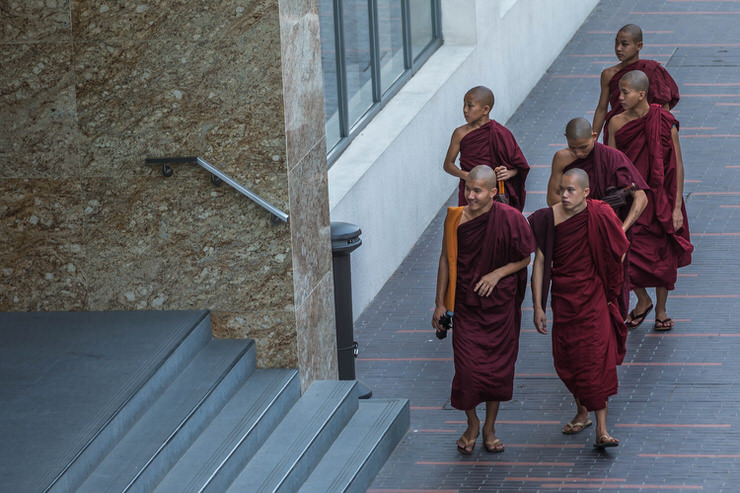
[348, 131]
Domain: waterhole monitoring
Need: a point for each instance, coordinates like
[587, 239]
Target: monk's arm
[639, 202]
[602, 107]
[538, 271]
[677, 215]
[556, 173]
[452, 151]
[443, 278]
[613, 130]
[485, 286]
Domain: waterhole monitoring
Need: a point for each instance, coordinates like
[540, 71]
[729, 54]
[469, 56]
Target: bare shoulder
[609, 72]
[558, 214]
[562, 158]
[461, 132]
[618, 121]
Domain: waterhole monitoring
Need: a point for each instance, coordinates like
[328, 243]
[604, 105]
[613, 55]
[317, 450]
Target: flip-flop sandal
[464, 448]
[632, 324]
[663, 325]
[493, 447]
[568, 429]
[605, 441]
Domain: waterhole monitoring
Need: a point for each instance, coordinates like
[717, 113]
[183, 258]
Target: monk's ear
[586, 191]
[594, 135]
[639, 45]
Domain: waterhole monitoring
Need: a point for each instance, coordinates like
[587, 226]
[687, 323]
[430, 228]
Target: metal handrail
[218, 176]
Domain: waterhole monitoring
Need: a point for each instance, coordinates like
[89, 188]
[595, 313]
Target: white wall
[389, 181]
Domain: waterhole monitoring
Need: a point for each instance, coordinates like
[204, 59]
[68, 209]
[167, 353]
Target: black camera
[446, 322]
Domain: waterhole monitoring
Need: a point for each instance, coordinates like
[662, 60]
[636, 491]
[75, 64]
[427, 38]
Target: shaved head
[634, 32]
[580, 175]
[485, 174]
[482, 95]
[578, 129]
[637, 80]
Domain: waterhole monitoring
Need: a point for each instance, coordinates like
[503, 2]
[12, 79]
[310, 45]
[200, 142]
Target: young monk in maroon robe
[627, 46]
[580, 247]
[648, 135]
[482, 276]
[608, 170]
[484, 141]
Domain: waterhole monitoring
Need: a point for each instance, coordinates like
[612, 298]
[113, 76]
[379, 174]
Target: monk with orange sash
[482, 278]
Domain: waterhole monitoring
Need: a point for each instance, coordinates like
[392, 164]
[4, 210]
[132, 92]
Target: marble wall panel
[38, 130]
[302, 77]
[93, 88]
[316, 334]
[40, 249]
[178, 20]
[179, 243]
[310, 222]
[153, 98]
[34, 21]
[272, 329]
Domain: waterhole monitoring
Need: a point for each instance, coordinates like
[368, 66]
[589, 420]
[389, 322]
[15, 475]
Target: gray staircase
[150, 402]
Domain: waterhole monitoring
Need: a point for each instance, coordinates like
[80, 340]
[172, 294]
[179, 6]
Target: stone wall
[90, 89]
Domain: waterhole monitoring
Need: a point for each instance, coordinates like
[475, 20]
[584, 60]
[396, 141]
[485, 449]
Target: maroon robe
[583, 262]
[485, 337]
[662, 89]
[607, 167]
[494, 145]
[657, 250]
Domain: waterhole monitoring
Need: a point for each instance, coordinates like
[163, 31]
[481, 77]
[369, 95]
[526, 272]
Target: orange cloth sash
[452, 221]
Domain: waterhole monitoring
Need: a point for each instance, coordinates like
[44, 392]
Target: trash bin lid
[345, 236]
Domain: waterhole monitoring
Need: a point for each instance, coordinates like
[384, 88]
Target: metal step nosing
[238, 370]
[381, 430]
[76, 471]
[331, 408]
[229, 457]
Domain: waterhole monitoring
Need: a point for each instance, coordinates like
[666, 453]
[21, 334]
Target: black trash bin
[345, 238]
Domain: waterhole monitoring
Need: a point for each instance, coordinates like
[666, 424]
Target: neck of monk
[575, 210]
[479, 212]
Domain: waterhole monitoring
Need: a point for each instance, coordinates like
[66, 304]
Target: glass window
[369, 48]
[329, 69]
[390, 42]
[422, 25]
[357, 58]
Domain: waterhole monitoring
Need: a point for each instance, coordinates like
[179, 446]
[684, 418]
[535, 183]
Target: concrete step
[218, 455]
[72, 383]
[157, 440]
[289, 455]
[361, 449]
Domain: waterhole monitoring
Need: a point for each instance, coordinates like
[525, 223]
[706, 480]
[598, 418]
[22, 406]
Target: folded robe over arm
[657, 250]
[582, 261]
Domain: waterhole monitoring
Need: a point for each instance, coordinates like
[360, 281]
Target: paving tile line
[656, 452]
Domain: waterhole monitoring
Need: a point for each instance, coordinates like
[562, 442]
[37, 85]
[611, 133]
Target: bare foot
[493, 445]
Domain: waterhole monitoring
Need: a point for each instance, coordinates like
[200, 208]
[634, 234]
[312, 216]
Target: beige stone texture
[38, 128]
[91, 89]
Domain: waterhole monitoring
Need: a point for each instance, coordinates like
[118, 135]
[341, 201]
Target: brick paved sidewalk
[677, 412]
